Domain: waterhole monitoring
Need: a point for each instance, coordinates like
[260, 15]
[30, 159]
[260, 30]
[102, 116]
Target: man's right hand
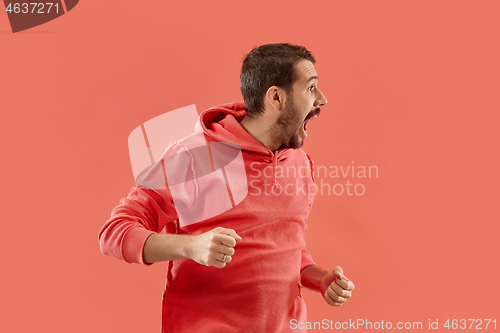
[214, 247]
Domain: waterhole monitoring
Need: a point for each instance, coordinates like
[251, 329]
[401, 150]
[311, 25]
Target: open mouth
[309, 116]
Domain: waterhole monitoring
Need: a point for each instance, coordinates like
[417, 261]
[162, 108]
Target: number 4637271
[43, 8]
[474, 324]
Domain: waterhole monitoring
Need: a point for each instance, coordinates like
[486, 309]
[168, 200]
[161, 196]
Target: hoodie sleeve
[307, 259]
[139, 215]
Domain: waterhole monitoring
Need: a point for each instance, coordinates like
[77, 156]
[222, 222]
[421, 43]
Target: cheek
[308, 103]
[312, 100]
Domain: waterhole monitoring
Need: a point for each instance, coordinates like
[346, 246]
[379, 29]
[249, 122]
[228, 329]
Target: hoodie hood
[221, 124]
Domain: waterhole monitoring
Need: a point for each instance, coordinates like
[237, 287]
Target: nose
[320, 99]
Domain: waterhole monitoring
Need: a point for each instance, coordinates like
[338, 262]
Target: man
[240, 269]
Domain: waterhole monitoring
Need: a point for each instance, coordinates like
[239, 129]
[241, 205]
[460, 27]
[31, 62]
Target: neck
[261, 129]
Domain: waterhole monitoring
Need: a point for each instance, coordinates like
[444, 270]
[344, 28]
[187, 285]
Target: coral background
[412, 88]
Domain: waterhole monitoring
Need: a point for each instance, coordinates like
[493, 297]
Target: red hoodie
[258, 290]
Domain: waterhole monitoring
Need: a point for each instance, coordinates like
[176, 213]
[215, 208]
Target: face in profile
[302, 103]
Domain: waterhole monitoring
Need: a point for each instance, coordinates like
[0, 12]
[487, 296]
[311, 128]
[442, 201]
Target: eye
[311, 88]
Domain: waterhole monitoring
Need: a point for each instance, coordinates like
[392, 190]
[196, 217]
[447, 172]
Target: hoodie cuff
[133, 245]
[307, 260]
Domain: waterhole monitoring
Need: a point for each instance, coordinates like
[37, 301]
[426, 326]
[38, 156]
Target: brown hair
[266, 66]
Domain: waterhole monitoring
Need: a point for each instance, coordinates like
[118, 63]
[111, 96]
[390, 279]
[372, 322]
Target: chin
[296, 142]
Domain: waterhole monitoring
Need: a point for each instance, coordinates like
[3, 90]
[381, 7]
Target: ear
[275, 96]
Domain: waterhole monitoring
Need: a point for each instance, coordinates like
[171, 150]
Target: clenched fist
[335, 287]
[214, 247]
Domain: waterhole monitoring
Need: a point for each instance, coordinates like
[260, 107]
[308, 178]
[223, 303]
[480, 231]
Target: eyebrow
[315, 77]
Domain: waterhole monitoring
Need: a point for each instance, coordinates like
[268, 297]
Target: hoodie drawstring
[275, 161]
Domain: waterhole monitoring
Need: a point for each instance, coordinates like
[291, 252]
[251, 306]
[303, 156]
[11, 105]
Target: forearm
[311, 277]
[163, 247]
